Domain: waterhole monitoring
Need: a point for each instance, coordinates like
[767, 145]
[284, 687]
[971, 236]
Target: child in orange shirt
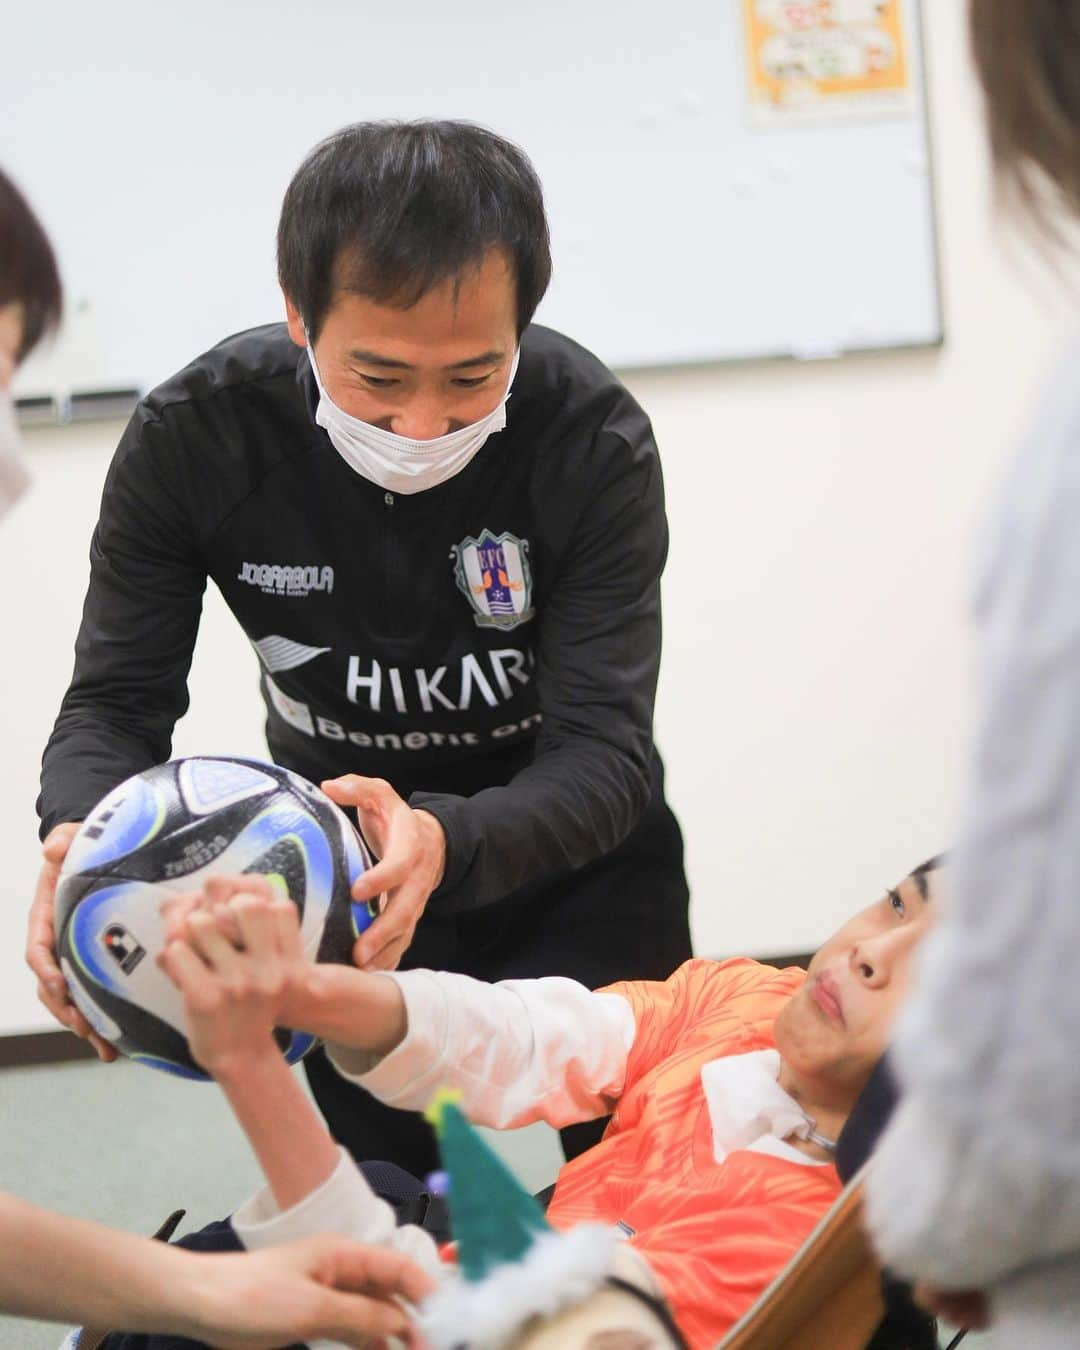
[726, 1083]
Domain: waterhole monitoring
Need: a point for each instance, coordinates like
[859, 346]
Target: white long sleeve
[979, 1173]
[518, 1051]
[344, 1205]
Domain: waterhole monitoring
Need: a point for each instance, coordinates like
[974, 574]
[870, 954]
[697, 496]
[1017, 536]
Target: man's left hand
[412, 855]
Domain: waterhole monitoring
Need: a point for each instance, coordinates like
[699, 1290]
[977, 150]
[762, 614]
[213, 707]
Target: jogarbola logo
[493, 572]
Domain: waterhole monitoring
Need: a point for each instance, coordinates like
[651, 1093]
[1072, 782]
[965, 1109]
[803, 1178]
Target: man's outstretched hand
[411, 848]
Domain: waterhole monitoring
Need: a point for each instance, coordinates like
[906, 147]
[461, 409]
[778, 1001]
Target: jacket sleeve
[518, 1051]
[135, 643]
[598, 654]
[979, 1173]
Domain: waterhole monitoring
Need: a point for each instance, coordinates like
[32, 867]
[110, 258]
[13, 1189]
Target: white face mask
[396, 462]
[14, 480]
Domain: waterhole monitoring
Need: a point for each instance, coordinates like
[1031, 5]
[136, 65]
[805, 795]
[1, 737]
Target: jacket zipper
[388, 625]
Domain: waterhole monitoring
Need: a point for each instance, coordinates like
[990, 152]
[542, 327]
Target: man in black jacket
[442, 529]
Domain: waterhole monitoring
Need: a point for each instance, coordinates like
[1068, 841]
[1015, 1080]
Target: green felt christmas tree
[495, 1220]
[515, 1267]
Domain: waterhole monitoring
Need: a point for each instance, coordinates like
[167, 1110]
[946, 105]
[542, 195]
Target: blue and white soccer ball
[163, 832]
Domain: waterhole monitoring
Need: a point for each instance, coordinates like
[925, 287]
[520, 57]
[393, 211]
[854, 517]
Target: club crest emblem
[493, 573]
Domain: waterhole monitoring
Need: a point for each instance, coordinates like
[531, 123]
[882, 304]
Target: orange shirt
[715, 1234]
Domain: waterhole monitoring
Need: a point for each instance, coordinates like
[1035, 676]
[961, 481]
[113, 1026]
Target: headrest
[869, 1116]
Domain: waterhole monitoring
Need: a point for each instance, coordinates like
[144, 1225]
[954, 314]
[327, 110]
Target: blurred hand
[411, 848]
[321, 1287]
[52, 988]
[961, 1307]
[234, 954]
[213, 897]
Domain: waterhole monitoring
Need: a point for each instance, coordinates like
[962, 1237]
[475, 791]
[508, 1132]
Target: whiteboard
[156, 142]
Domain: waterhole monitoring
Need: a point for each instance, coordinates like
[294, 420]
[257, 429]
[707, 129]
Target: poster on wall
[810, 59]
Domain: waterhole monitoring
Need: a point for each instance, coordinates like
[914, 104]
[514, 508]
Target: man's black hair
[28, 271]
[919, 874]
[392, 209]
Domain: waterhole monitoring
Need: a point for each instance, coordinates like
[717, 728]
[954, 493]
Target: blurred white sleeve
[344, 1205]
[518, 1051]
[979, 1172]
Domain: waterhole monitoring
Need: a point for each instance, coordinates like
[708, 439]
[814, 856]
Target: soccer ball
[163, 832]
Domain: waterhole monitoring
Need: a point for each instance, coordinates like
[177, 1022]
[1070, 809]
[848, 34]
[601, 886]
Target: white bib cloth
[749, 1109]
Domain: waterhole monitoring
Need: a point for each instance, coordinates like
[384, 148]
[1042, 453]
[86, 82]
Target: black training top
[500, 631]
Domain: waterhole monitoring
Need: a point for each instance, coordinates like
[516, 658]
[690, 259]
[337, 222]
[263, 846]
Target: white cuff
[409, 1075]
[344, 1205]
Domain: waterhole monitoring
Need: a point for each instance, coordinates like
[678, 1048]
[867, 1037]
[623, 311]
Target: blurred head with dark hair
[412, 255]
[1028, 57]
[30, 295]
[30, 300]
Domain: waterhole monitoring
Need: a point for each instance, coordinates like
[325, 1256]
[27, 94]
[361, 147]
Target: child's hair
[919, 874]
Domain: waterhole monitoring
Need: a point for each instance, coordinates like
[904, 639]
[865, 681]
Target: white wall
[815, 692]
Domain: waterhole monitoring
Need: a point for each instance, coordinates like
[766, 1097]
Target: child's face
[837, 1026]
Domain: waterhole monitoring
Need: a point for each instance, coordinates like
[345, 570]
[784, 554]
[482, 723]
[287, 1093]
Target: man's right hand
[41, 943]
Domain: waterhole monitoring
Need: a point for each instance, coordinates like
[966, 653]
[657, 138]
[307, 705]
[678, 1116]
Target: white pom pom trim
[560, 1270]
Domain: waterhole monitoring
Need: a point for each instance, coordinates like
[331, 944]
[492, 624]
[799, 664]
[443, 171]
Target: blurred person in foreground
[976, 1187]
[61, 1269]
